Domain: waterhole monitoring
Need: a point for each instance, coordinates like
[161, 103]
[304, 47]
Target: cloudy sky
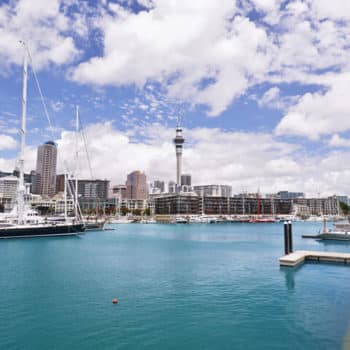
[263, 88]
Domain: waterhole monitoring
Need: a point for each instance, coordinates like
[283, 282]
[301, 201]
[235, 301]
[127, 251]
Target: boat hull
[94, 226]
[41, 230]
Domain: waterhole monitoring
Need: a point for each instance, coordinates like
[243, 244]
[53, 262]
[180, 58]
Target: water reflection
[289, 276]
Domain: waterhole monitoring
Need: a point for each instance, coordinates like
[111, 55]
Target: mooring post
[286, 238]
[290, 237]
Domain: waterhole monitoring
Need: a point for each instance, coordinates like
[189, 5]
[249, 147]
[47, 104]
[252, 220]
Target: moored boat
[23, 221]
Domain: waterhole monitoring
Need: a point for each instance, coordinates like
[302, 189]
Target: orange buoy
[115, 301]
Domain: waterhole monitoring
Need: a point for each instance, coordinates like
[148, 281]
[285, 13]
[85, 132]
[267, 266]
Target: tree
[136, 212]
[147, 212]
[2, 208]
[344, 208]
[124, 211]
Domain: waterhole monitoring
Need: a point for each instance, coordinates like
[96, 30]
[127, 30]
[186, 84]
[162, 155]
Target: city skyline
[269, 112]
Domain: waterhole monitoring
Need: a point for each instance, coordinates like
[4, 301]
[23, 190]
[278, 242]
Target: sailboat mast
[76, 162]
[21, 188]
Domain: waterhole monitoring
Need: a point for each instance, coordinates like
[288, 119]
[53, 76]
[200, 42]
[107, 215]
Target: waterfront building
[92, 194]
[177, 203]
[53, 206]
[136, 186]
[119, 191]
[93, 188]
[134, 204]
[8, 191]
[28, 178]
[213, 190]
[45, 174]
[190, 203]
[320, 206]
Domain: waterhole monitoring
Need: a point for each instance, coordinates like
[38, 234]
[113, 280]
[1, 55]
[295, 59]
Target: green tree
[136, 212]
[344, 208]
[147, 212]
[124, 211]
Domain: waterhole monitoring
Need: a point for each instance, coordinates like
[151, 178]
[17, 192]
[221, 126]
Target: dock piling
[286, 238]
[290, 237]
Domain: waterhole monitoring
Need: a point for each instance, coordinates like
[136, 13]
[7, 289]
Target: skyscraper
[159, 185]
[45, 177]
[136, 185]
[186, 180]
[178, 141]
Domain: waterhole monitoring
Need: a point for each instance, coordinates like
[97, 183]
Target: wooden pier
[300, 256]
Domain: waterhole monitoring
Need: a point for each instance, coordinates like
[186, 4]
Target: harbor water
[195, 286]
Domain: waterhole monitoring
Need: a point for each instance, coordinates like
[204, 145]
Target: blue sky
[262, 87]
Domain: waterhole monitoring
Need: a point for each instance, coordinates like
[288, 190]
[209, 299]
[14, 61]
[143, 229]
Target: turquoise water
[179, 287]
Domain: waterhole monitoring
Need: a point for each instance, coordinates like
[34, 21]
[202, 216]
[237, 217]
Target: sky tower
[178, 141]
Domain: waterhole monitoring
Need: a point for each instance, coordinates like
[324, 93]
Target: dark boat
[95, 225]
[40, 230]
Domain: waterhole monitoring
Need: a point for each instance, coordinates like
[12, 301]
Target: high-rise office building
[160, 185]
[136, 185]
[59, 183]
[45, 175]
[119, 191]
[185, 180]
[171, 187]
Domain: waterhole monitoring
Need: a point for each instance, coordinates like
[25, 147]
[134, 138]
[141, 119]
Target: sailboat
[91, 224]
[24, 222]
[259, 218]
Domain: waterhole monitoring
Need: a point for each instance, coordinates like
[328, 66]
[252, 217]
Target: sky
[262, 87]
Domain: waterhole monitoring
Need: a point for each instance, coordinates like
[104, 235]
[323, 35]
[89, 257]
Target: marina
[178, 286]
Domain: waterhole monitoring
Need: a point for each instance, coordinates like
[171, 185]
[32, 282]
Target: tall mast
[76, 163]
[21, 188]
[65, 196]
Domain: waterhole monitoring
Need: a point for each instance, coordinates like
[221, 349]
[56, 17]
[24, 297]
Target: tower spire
[178, 141]
[179, 120]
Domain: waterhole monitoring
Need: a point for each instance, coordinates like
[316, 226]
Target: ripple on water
[179, 286]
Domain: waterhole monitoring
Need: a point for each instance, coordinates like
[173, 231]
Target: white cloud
[335, 9]
[338, 141]
[7, 142]
[181, 44]
[44, 27]
[320, 113]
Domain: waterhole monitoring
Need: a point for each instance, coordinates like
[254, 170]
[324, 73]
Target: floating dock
[300, 256]
[339, 236]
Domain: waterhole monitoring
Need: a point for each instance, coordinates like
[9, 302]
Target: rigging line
[40, 92]
[86, 148]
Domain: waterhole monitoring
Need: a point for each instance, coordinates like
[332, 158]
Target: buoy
[115, 301]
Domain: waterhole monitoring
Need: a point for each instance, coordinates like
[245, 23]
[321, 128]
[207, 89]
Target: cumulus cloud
[338, 141]
[43, 25]
[203, 53]
[7, 142]
[317, 114]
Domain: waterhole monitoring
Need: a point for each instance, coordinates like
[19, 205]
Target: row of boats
[201, 219]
